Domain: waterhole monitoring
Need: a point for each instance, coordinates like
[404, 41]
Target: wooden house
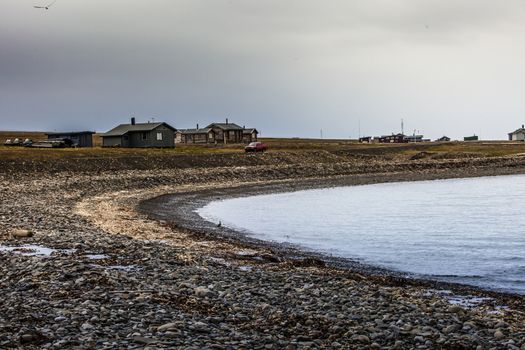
[140, 135]
[227, 132]
[195, 136]
[249, 135]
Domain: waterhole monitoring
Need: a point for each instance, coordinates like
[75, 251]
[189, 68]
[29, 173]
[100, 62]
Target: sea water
[469, 231]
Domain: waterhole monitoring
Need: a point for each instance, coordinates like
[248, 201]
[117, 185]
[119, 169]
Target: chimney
[226, 120]
[133, 121]
[197, 126]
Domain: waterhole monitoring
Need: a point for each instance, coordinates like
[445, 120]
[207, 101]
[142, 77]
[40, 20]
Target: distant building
[471, 138]
[227, 132]
[443, 139]
[249, 135]
[394, 138]
[365, 139]
[140, 135]
[415, 138]
[73, 138]
[518, 135]
[196, 136]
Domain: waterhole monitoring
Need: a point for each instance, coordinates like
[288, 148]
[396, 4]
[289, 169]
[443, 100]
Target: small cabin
[518, 135]
[249, 135]
[73, 138]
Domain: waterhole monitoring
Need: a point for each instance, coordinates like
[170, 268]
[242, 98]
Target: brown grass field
[479, 148]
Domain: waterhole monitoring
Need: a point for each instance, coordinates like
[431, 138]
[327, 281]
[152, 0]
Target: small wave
[459, 276]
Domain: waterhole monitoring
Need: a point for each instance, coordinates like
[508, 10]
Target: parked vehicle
[49, 144]
[27, 143]
[256, 147]
[13, 142]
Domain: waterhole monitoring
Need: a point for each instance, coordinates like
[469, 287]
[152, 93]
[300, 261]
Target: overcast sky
[289, 68]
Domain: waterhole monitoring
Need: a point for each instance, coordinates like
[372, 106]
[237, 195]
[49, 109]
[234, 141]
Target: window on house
[144, 135]
[159, 136]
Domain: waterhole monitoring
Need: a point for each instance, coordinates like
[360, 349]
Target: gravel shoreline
[179, 211]
[117, 279]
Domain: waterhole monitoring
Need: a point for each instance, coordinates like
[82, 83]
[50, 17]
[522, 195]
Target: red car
[256, 147]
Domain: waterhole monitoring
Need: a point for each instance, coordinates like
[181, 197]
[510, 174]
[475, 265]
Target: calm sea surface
[462, 230]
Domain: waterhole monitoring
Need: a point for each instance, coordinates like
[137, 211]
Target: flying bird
[45, 7]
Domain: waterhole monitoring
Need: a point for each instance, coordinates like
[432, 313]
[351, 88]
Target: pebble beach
[87, 263]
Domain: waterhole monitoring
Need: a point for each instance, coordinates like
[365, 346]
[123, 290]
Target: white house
[518, 135]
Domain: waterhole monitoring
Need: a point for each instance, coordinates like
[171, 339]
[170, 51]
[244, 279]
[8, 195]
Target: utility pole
[359, 128]
[402, 127]
[321, 134]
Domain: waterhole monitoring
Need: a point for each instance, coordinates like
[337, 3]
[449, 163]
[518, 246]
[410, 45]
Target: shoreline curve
[178, 210]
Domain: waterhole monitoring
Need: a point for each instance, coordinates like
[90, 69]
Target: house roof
[123, 129]
[225, 126]
[249, 131]
[71, 133]
[196, 131]
[518, 131]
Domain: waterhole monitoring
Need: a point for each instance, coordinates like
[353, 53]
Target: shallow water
[462, 230]
[33, 250]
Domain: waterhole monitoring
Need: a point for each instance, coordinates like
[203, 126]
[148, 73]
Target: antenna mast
[402, 127]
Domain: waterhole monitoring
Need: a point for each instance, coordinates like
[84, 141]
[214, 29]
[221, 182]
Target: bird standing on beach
[45, 7]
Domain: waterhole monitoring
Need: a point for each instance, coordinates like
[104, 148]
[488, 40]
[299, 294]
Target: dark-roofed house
[443, 139]
[394, 138]
[73, 138]
[518, 135]
[249, 135]
[227, 132]
[198, 135]
[140, 135]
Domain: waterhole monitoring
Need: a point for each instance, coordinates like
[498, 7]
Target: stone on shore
[21, 233]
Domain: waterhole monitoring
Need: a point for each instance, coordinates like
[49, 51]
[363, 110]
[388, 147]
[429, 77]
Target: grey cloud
[287, 67]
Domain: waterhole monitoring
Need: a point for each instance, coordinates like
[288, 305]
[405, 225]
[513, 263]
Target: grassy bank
[335, 147]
